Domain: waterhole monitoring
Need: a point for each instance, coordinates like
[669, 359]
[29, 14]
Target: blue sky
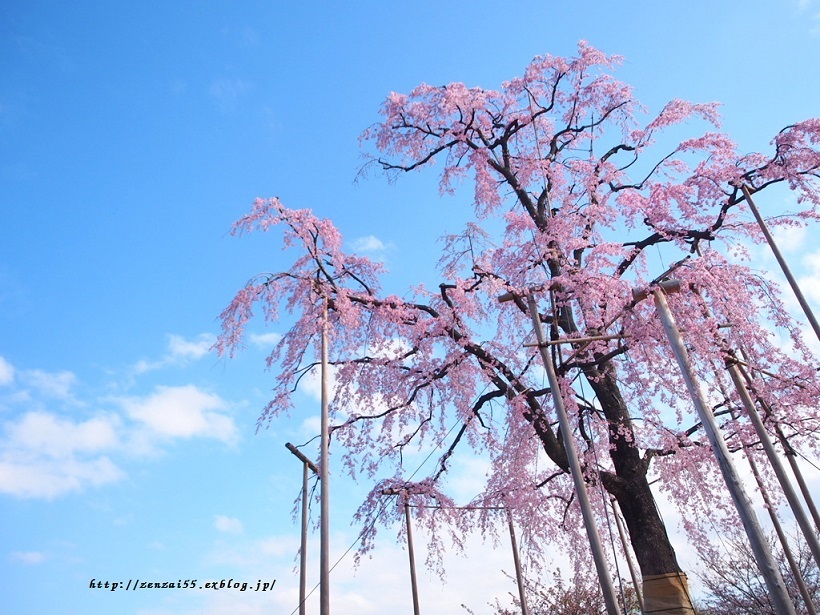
[132, 135]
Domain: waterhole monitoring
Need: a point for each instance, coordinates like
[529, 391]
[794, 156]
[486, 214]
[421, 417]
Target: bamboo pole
[774, 581]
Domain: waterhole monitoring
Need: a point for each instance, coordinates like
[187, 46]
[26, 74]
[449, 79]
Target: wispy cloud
[230, 525]
[264, 340]
[228, 93]
[810, 6]
[29, 558]
[180, 352]
[6, 372]
[56, 385]
[370, 243]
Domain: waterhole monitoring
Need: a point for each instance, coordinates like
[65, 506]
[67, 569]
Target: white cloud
[230, 525]
[372, 245]
[59, 437]
[52, 384]
[6, 372]
[810, 284]
[789, 238]
[182, 412]
[50, 478]
[180, 352]
[45, 456]
[264, 340]
[182, 349]
[311, 383]
[28, 557]
[369, 243]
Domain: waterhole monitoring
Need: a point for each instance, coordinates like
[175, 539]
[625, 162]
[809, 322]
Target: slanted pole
[782, 262]
[625, 543]
[324, 521]
[781, 536]
[519, 577]
[307, 464]
[575, 466]
[791, 454]
[774, 581]
[412, 554]
[413, 584]
[785, 484]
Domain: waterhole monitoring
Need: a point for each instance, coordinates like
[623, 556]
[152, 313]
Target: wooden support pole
[303, 550]
[791, 457]
[413, 583]
[625, 543]
[782, 262]
[598, 555]
[324, 520]
[791, 496]
[791, 454]
[519, 577]
[307, 464]
[774, 581]
[781, 536]
[412, 554]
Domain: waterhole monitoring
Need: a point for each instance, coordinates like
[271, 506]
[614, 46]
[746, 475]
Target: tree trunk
[667, 591]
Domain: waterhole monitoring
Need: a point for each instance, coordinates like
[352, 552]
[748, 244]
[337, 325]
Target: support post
[785, 484]
[781, 536]
[791, 454]
[324, 521]
[575, 466]
[519, 577]
[625, 543]
[413, 584]
[307, 464]
[782, 262]
[774, 582]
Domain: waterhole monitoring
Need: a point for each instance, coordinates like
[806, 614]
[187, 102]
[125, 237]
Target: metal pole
[324, 521]
[782, 262]
[625, 543]
[774, 582]
[575, 466]
[518, 576]
[777, 466]
[307, 464]
[413, 583]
